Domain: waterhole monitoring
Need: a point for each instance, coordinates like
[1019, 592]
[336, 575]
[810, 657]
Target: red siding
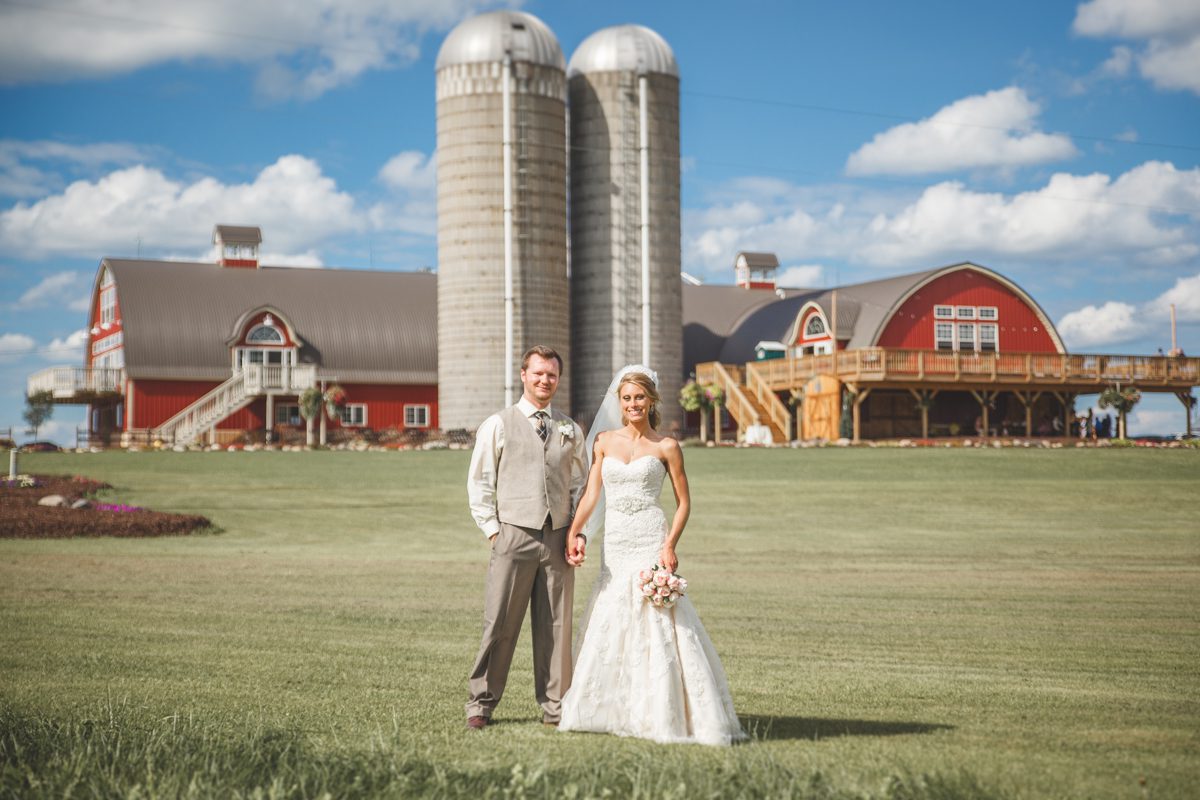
[1020, 329]
[94, 321]
[385, 403]
[154, 402]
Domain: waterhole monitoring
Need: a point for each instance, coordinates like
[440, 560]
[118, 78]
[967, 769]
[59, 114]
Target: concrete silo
[625, 254]
[502, 249]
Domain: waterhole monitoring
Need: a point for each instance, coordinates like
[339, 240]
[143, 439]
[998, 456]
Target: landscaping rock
[81, 503]
[53, 501]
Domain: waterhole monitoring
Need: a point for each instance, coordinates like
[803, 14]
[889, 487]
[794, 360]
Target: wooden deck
[752, 391]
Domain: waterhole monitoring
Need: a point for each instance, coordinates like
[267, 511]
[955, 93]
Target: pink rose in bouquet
[661, 587]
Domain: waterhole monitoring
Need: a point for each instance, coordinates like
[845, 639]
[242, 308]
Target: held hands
[576, 549]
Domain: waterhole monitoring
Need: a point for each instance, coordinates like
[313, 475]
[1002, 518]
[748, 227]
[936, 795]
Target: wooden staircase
[749, 399]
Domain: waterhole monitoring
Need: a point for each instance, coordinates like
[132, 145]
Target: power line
[906, 119]
[784, 103]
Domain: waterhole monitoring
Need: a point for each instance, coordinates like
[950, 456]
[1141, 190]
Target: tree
[1123, 400]
[310, 406]
[39, 407]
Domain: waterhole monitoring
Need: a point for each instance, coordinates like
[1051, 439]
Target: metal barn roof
[357, 326]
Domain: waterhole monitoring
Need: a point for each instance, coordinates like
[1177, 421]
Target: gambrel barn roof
[726, 323]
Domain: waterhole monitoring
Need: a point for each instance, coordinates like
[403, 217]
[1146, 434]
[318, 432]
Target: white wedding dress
[643, 671]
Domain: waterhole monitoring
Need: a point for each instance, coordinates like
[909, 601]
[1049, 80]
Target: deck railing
[875, 364]
[69, 382]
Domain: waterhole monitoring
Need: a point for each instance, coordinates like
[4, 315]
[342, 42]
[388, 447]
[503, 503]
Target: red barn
[187, 352]
[955, 350]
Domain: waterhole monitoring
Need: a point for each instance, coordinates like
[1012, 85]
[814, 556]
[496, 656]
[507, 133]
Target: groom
[527, 473]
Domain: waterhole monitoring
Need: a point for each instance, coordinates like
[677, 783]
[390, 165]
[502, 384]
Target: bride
[640, 670]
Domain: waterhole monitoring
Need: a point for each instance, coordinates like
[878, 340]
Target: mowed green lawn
[915, 623]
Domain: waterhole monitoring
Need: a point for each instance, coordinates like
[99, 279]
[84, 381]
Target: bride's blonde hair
[646, 384]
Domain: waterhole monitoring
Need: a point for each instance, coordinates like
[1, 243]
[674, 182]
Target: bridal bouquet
[661, 586]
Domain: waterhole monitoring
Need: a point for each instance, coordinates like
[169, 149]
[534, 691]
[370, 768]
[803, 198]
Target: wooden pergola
[751, 391]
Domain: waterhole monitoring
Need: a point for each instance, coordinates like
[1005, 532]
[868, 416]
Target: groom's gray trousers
[528, 567]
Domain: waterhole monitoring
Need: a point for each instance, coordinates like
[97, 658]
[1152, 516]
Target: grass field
[903, 624]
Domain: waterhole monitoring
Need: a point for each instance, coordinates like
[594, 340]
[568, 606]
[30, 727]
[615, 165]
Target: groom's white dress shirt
[485, 461]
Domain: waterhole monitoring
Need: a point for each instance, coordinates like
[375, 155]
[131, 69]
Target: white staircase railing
[252, 381]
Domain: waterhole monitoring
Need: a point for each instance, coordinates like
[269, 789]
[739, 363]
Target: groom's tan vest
[533, 479]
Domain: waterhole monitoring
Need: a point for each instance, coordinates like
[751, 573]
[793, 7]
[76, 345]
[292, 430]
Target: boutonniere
[566, 430]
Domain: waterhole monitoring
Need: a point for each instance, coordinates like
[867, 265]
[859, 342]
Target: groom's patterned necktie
[542, 430]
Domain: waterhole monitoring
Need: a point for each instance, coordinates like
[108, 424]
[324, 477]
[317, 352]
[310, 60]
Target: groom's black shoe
[477, 723]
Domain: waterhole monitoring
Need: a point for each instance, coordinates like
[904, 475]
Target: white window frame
[279, 337]
[989, 313]
[108, 304]
[414, 409]
[943, 312]
[108, 343]
[938, 338]
[284, 411]
[817, 320]
[958, 338]
[347, 415]
[964, 312]
[995, 341]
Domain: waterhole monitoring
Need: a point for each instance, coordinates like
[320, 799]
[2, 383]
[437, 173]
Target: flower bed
[22, 518]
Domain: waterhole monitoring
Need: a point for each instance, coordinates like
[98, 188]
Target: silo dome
[488, 37]
[624, 48]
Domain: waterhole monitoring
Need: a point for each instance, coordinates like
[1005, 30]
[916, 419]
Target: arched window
[815, 326]
[264, 334]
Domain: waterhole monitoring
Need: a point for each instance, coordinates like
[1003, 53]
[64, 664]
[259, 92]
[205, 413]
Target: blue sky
[1056, 142]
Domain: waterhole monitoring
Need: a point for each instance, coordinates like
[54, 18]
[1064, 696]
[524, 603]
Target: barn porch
[1034, 383]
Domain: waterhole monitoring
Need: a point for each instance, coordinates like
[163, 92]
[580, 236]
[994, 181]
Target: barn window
[944, 334]
[943, 312]
[288, 414]
[815, 326]
[416, 416]
[265, 334]
[988, 312]
[966, 312]
[987, 338]
[108, 304]
[354, 415]
[966, 337]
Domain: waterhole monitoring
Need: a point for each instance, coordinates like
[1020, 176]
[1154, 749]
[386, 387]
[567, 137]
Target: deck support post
[1068, 404]
[1028, 399]
[984, 398]
[1189, 402]
[270, 421]
[924, 399]
[856, 414]
[717, 423]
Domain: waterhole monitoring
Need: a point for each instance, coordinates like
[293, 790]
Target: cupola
[237, 245]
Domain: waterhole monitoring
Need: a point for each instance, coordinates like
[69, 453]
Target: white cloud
[24, 165]
[804, 276]
[295, 204]
[300, 49]
[1169, 29]
[410, 170]
[1153, 422]
[15, 345]
[68, 349]
[993, 131]
[1111, 323]
[67, 289]
[1118, 322]
[1147, 214]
